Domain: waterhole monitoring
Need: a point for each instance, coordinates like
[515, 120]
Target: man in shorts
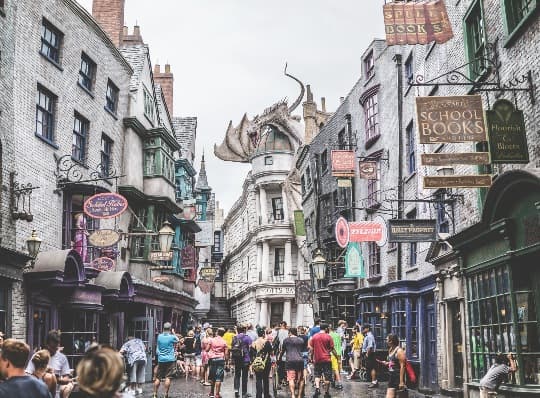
[292, 347]
[321, 346]
[166, 358]
[336, 360]
[368, 351]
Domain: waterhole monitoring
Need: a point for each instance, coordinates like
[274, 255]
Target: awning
[118, 285]
[63, 267]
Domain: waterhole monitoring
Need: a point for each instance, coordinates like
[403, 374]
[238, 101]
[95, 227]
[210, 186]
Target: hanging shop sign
[417, 22]
[188, 255]
[344, 183]
[105, 205]
[354, 263]
[342, 232]
[103, 237]
[302, 292]
[160, 256]
[412, 230]
[103, 264]
[450, 119]
[208, 273]
[450, 159]
[368, 170]
[507, 135]
[342, 163]
[457, 181]
[161, 279]
[299, 227]
[368, 231]
[206, 236]
[189, 212]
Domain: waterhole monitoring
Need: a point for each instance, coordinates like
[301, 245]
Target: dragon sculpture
[241, 142]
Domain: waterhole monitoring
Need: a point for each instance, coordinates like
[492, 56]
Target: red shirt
[322, 344]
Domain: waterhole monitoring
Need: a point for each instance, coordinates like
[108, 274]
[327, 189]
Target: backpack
[259, 363]
[237, 351]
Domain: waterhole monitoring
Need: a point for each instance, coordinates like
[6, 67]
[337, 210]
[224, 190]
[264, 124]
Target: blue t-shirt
[23, 387]
[165, 347]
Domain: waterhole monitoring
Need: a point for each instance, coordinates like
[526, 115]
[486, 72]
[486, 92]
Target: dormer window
[369, 66]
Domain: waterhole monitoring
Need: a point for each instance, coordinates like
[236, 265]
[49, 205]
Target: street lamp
[319, 265]
[33, 244]
[165, 235]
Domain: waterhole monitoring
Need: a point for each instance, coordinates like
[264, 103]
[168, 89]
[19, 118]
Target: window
[79, 330]
[409, 69]
[374, 313]
[503, 311]
[411, 154]
[51, 39]
[138, 224]
[440, 208]
[217, 241]
[87, 73]
[371, 115]
[76, 227]
[412, 245]
[342, 144]
[326, 211]
[45, 113]
[399, 320]
[111, 97]
[475, 40]
[149, 163]
[413, 339]
[517, 11]
[106, 152]
[268, 160]
[277, 208]
[308, 177]
[324, 161]
[4, 308]
[80, 135]
[303, 184]
[374, 253]
[369, 65]
[374, 188]
[279, 261]
[148, 105]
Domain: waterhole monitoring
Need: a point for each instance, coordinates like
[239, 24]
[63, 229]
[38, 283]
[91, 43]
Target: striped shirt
[495, 376]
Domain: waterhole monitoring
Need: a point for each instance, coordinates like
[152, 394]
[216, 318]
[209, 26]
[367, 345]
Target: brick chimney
[310, 117]
[133, 39]
[165, 80]
[110, 16]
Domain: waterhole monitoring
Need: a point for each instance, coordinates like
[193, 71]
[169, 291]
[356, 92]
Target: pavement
[182, 388]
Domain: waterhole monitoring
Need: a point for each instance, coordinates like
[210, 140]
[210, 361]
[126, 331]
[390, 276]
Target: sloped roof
[185, 130]
[135, 55]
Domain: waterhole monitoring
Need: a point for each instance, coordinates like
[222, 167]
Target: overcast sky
[228, 56]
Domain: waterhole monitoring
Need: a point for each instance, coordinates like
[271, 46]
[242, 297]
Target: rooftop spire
[202, 181]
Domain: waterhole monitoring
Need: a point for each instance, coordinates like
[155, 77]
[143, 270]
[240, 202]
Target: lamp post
[165, 235]
[319, 265]
[33, 244]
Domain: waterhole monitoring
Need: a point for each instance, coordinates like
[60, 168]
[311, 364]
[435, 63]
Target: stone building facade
[262, 255]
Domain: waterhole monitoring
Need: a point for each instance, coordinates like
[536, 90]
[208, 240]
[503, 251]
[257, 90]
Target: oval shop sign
[105, 205]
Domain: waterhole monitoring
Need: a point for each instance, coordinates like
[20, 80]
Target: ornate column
[287, 311]
[263, 318]
[257, 313]
[259, 261]
[265, 261]
[299, 314]
[258, 207]
[263, 205]
[287, 268]
[285, 204]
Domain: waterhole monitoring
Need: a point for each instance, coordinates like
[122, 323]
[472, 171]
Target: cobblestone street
[182, 388]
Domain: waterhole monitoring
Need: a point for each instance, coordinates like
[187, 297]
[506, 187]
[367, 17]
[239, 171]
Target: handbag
[411, 376]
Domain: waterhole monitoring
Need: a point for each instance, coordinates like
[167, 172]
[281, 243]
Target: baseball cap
[206, 325]
[167, 326]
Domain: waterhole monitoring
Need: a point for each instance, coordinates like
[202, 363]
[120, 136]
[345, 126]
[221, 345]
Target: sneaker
[339, 386]
[236, 394]
[373, 384]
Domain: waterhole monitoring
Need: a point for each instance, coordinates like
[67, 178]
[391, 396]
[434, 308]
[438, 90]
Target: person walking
[395, 362]
[135, 351]
[100, 374]
[58, 363]
[41, 366]
[356, 351]
[282, 334]
[293, 347]
[217, 352]
[496, 374]
[166, 359]
[336, 359]
[261, 347]
[305, 352]
[240, 356]
[189, 354]
[17, 383]
[208, 336]
[368, 351]
[321, 347]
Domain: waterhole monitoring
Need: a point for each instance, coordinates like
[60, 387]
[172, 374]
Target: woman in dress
[81, 236]
[395, 362]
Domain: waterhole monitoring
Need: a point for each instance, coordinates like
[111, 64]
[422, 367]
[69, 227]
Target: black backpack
[237, 349]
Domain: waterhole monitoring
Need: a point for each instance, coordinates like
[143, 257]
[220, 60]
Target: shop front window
[503, 318]
[373, 313]
[77, 226]
[399, 320]
[79, 331]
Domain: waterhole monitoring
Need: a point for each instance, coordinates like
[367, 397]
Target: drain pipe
[399, 67]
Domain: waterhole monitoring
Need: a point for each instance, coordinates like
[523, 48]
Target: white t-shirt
[58, 362]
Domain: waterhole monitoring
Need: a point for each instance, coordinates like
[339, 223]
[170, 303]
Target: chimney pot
[136, 30]
[323, 104]
[125, 31]
[309, 93]
[167, 68]
[157, 68]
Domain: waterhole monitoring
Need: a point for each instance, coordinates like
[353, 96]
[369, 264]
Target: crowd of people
[288, 357]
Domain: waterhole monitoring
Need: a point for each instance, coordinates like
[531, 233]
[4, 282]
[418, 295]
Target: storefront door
[41, 321]
[454, 314]
[430, 346]
[142, 328]
[276, 313]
